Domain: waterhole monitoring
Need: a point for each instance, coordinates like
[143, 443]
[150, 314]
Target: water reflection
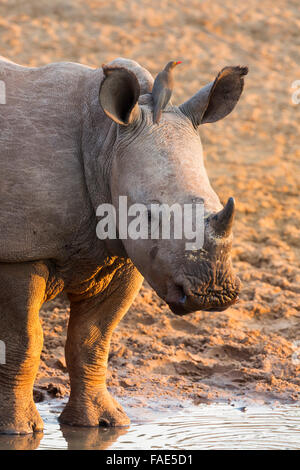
[91, 438]
[15, 442]
[75, 438]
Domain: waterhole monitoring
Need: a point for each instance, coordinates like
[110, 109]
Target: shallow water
[171, 426]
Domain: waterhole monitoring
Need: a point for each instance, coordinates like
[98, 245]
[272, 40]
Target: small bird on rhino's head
[162, 89]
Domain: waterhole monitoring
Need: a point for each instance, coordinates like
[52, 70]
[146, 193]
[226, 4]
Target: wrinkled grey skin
[63, 154]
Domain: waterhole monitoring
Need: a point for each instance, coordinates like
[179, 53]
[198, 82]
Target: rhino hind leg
[91, 325]
[22, 291]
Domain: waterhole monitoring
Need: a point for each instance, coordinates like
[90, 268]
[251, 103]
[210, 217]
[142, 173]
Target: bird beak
[178, 62]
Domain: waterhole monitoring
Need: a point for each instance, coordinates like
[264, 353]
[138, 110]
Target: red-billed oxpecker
[162, 89]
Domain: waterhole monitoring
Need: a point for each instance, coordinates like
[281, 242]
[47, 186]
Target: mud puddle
[173, 426]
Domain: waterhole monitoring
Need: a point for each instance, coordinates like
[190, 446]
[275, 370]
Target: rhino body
[62, 154]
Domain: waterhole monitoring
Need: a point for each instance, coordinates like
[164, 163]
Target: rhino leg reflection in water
[66, 148]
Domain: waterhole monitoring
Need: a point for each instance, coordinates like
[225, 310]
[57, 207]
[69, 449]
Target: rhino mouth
[217, 299]
[211, 301]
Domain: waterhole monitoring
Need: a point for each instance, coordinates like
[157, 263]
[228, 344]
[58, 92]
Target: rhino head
[163, 164]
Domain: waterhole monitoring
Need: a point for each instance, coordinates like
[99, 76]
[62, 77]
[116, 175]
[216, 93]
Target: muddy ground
[250, 350]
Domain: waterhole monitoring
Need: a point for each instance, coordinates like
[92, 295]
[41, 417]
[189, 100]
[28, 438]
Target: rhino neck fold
[97, 141]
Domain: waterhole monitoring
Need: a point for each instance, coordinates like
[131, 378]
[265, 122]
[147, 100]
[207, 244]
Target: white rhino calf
[72, 138]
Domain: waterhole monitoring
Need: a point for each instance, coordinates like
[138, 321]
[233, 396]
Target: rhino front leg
[91, 325]
[22, 290]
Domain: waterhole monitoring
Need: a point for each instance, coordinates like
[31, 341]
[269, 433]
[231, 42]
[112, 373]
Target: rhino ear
[119, 93]
[218, 98]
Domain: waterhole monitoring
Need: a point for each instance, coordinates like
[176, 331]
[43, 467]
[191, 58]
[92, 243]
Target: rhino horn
[223, 220]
